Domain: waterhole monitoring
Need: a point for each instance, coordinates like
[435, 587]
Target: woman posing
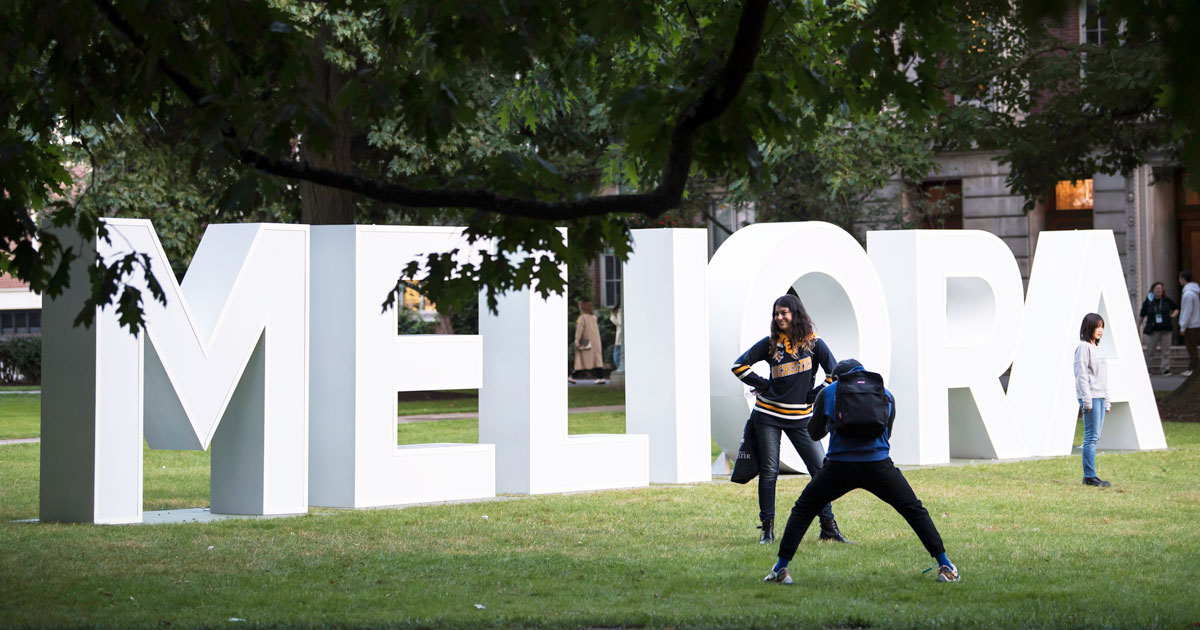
[1091, 388]
[784, 404]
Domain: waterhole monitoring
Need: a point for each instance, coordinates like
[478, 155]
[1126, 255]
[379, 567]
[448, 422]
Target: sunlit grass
[1036, 549]
[577, 396]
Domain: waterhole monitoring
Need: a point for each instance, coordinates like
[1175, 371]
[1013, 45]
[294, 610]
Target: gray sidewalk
[1167, 383]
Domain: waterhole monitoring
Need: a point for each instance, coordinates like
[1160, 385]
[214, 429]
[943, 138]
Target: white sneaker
[782, 576]
[947, 573]
[1186, 373]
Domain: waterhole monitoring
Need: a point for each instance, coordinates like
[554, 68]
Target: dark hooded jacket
[847, 448]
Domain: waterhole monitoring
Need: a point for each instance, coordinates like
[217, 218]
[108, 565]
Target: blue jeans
[617, 365]
[1093, 423]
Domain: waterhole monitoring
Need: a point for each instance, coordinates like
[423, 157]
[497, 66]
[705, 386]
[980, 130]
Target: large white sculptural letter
[225, 363]
[666, 336]
[837, 284]
[1075, 273]
[359, 363]
[523, 405]
[955, 303]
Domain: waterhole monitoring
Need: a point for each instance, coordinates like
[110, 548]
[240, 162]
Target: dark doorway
[942, 205]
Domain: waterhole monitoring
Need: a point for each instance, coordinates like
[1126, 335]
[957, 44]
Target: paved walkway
[475, 414]
[20, 441]
[1168, 383]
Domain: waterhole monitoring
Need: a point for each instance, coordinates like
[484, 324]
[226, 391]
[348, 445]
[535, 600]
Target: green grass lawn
[467, 430]
[1035, 548]
[20, 416]
[578, 396]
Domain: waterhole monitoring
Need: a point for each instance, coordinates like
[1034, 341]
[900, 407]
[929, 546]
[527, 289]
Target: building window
[20, 322]
[940, 206]
[1188, 196]
[1074, 194]
[724, 219]
[1070, 207]
[1095, 30]
[610, 280]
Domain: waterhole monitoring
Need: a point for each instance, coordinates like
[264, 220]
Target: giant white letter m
[224, 363]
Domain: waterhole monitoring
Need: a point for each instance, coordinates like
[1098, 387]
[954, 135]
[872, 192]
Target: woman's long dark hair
[1087, 330]
[802, 333]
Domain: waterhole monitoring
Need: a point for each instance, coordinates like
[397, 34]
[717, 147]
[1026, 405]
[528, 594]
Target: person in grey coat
[1189, 319]
[1091, 388]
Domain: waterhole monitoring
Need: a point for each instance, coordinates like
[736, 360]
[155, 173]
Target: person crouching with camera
[857, 412]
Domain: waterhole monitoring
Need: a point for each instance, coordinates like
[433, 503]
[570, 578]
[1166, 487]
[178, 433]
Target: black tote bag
[746, 466]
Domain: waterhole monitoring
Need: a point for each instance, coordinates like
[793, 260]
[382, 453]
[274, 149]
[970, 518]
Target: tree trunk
[444, 325]
[1183, 404]
[322, 205]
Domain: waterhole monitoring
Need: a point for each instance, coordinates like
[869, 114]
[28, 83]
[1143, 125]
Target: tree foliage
[506, 117]
[1064, 110]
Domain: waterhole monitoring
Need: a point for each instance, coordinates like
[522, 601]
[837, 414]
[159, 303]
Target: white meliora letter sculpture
[837, 284]
[224, 363]
[1075, 273]
[666, 334]
[359, 363]
[523, 405]
[955, 303]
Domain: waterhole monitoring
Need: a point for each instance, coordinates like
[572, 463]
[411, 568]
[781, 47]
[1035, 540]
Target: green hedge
[21, 359]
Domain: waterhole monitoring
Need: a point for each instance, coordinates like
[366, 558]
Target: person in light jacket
[618, 338]
[1091, 388]
[1189, 319]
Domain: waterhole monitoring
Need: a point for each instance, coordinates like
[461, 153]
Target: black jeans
[881, 479]
[811, 452]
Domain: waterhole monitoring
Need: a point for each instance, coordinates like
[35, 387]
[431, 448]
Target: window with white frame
[1093, 24]
[610, 279]
[27, 322]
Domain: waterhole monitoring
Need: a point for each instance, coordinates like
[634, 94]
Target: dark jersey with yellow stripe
[784, 399]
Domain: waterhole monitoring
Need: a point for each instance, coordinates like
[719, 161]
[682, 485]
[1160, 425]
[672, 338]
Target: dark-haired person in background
[783, 406]
[1091, 388]
[856, 462]
[1155, 322]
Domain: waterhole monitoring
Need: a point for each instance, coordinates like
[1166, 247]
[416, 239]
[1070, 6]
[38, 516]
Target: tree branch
[1024, 59]
[714, 102]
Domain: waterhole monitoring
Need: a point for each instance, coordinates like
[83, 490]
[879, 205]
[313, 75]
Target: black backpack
[861, 408]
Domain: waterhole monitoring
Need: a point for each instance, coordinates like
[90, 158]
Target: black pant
[811, 452]
[1191, 341]
[881, 479]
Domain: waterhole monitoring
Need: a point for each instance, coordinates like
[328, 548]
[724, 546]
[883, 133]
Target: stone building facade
[1154, 218]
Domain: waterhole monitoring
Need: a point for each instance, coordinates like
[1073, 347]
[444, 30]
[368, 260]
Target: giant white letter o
[835, 280]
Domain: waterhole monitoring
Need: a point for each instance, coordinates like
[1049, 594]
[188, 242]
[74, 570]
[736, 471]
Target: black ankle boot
[830, 531]
[768, 531]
